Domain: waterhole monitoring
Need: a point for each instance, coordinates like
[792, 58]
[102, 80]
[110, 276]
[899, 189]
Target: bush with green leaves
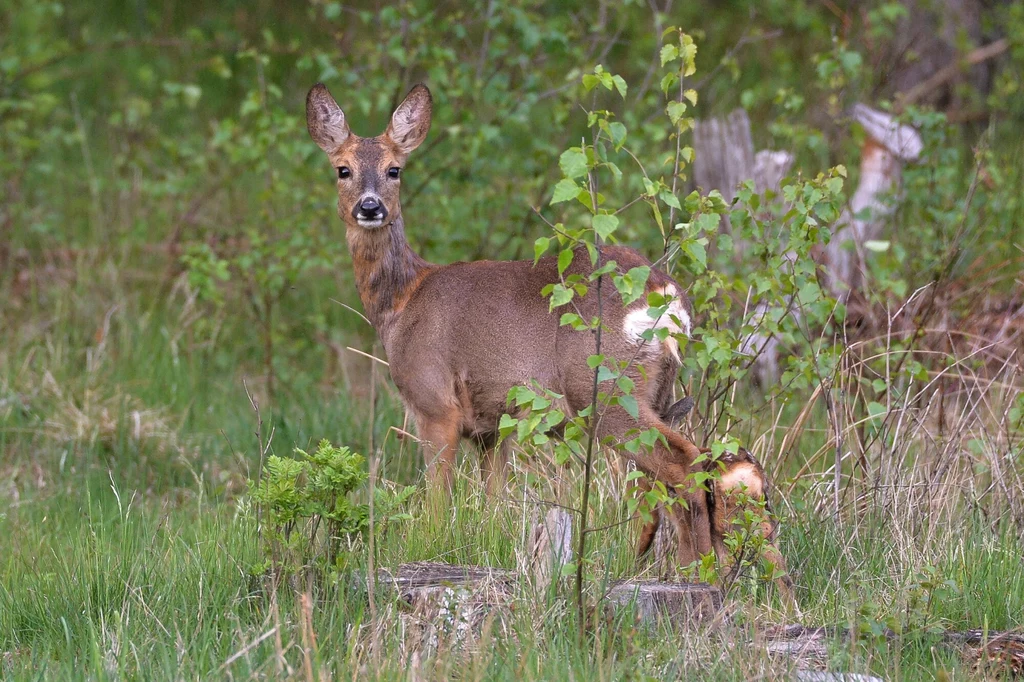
[307, 510]
[779, 271]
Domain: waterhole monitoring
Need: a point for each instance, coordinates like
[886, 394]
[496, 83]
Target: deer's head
[369, 168]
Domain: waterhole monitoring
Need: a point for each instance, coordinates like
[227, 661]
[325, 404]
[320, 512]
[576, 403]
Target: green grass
[106, 583]
[128, 390]
[126, 556]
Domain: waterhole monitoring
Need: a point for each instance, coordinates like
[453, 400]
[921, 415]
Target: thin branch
[952, 70]
[367, 355]
[351, 309]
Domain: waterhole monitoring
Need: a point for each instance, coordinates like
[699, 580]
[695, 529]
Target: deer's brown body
[459, 336]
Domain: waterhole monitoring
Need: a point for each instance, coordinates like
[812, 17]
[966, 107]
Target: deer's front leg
[439, 440]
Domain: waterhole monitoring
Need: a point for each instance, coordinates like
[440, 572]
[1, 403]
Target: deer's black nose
[369, 209]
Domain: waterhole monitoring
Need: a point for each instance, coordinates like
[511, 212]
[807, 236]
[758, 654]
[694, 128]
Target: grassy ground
[135, 403]
[102, 582]
[127, 556]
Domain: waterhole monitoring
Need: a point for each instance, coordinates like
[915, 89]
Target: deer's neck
[387, 272]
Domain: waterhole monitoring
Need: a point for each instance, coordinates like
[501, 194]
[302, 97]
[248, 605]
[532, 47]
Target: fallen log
[986, 649]
[443, 606]
[671, 603]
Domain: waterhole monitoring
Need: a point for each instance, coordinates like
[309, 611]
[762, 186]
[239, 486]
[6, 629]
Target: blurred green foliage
[169, 250]
[152, 138]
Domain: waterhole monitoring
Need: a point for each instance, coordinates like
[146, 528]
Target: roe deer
[458, 337]
[741, 481]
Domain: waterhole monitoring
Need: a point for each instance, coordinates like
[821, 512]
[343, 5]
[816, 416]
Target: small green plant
[927, 589]
[747, 542]
[306, 510]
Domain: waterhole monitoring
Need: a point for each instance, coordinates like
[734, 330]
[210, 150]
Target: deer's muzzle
[369, 212]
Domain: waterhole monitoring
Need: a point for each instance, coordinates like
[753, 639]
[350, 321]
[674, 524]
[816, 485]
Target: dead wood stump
[724, 157]
[552, 548]
[989, 652]
[681, 605]
[441, 607]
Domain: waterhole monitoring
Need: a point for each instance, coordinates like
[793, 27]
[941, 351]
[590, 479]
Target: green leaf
[507, 425]
[617, 132]
[540, 247]
[697, 253]
[628, 403]
[520, 395]
[631, 285]
[571, 319]
[573, 163]
[707, 222]
[605, 225]
[670, 199]
[553, 418]
[650, 437]
[668, 81]
[675, 111]
[564, 260]
[565, 190]
[689, 55]
[620, 85]
[669, 53]
[560, 295]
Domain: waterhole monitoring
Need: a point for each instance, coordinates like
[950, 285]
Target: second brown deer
[458, 337]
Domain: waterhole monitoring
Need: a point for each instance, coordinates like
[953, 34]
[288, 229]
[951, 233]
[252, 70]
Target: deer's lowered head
[369, 168]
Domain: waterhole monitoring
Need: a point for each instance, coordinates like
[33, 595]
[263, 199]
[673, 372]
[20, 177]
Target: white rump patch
[675, 319]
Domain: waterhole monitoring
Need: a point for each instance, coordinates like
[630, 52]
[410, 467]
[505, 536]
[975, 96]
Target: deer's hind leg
[494, 468]
[439, 440]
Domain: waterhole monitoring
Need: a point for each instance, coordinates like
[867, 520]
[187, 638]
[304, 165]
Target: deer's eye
[344, 172]
[394, 172]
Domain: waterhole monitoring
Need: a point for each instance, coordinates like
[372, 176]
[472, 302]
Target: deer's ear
[325, 119]
[411, 120]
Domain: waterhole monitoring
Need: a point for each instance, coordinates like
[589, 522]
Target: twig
[370, 572]
[352, 310]
[950, 71]
[403, 434]
[367, 355]
[248, 647]
[592, 431]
